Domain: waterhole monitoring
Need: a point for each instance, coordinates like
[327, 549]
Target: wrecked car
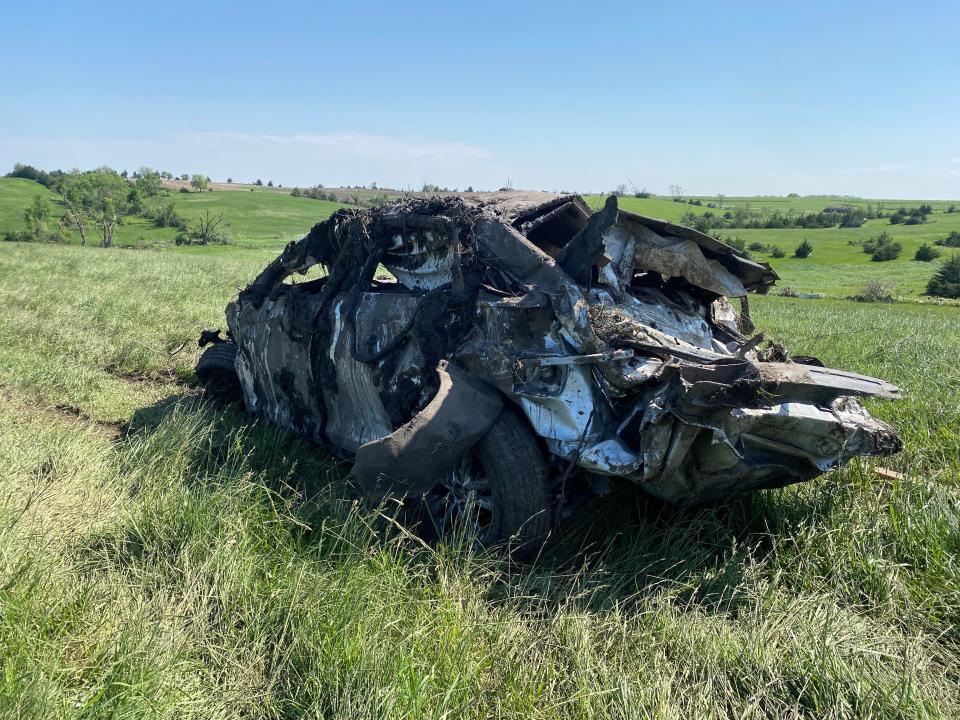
[499, 360]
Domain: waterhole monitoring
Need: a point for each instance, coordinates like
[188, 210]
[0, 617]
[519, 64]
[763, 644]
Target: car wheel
[217, 372]
[500, 489]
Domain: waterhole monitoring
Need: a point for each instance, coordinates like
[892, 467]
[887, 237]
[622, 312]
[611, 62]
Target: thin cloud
[885, 167]
[347, 143]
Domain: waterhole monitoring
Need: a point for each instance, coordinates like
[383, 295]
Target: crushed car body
[609, 340]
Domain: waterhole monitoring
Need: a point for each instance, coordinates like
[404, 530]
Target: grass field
[267, 218]
[160, 557]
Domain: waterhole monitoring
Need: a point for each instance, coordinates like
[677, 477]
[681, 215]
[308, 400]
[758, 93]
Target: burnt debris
[611, 335]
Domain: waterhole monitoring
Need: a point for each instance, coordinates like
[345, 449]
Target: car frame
[498, 360]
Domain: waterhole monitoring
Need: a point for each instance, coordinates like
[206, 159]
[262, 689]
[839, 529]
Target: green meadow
[255, 218]
[164, 557]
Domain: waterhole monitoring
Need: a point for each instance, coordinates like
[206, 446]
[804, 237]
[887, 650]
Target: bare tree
[677, 192]
[210, 229]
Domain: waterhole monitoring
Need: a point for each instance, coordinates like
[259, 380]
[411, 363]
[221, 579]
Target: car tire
[516, 492]
[217, 372]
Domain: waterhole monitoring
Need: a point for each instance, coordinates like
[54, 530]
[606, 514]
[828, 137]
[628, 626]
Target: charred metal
[611, 335]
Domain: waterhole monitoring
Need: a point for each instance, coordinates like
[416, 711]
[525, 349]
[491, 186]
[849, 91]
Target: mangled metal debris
[520, 354]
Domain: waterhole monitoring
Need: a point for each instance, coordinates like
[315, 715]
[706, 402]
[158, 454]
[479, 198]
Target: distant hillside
[268, 218]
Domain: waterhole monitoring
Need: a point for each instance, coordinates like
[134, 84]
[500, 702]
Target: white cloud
[885, 167]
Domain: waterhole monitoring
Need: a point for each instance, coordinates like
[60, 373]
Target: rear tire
[217, 372]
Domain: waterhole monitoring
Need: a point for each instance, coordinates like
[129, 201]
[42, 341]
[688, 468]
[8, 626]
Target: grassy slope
[261, 218]
[15, 195]
[171, 565]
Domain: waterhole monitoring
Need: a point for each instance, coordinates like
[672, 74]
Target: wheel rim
[463, 499]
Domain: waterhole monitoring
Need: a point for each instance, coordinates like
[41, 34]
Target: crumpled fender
[419, 453]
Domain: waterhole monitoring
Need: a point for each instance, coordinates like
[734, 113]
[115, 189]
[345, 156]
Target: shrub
[853, 220]
[870, 246]
[60, 235]
[209, 230]
[184, 190]
[166, 216]
[926, 253]
[952, 240]
[890, 251]
[772, 250]
[17, 236]
[737, 243]
[882, 247]
[803, 250]
[875, 291]
[946, 281]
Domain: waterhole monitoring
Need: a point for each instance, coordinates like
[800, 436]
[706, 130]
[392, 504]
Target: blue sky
[738, 98]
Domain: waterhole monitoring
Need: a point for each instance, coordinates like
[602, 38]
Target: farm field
[161, 556]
